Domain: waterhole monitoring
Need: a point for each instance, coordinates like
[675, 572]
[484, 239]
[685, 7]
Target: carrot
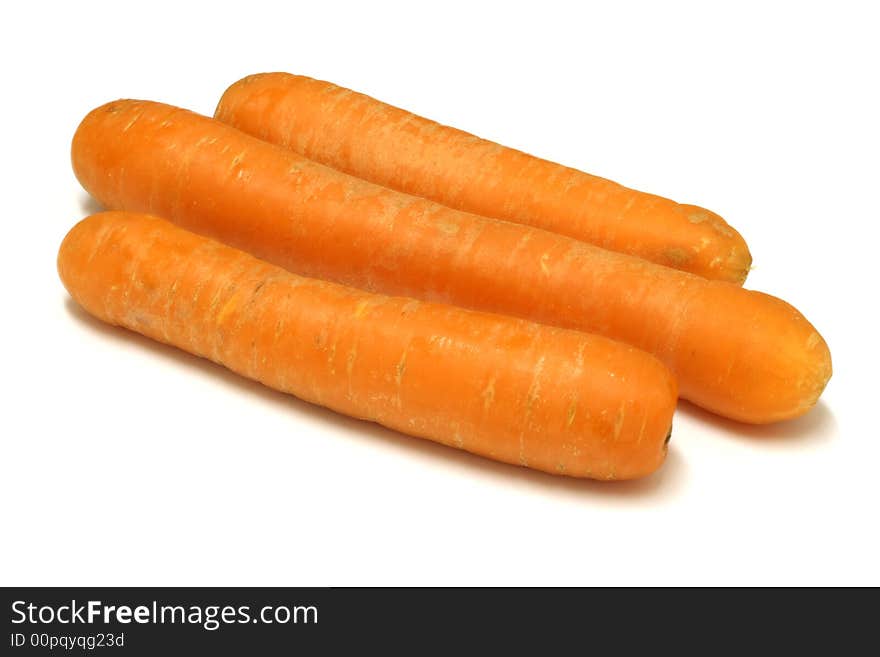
[395, 148]
[512, 390]
[743, 354]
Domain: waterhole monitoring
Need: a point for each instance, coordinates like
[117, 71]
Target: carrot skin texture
[741, 354]
[389, 146]
[512, 390]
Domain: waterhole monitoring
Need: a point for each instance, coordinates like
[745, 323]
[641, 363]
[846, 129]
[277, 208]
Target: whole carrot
[522, 393]
[742, 354]
[395, 148]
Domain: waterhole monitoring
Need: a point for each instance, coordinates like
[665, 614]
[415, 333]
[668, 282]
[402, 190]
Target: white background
[126, 462]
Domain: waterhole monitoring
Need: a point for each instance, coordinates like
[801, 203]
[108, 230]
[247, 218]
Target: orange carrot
[539, 396]
[395, 148]
[742, 354]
